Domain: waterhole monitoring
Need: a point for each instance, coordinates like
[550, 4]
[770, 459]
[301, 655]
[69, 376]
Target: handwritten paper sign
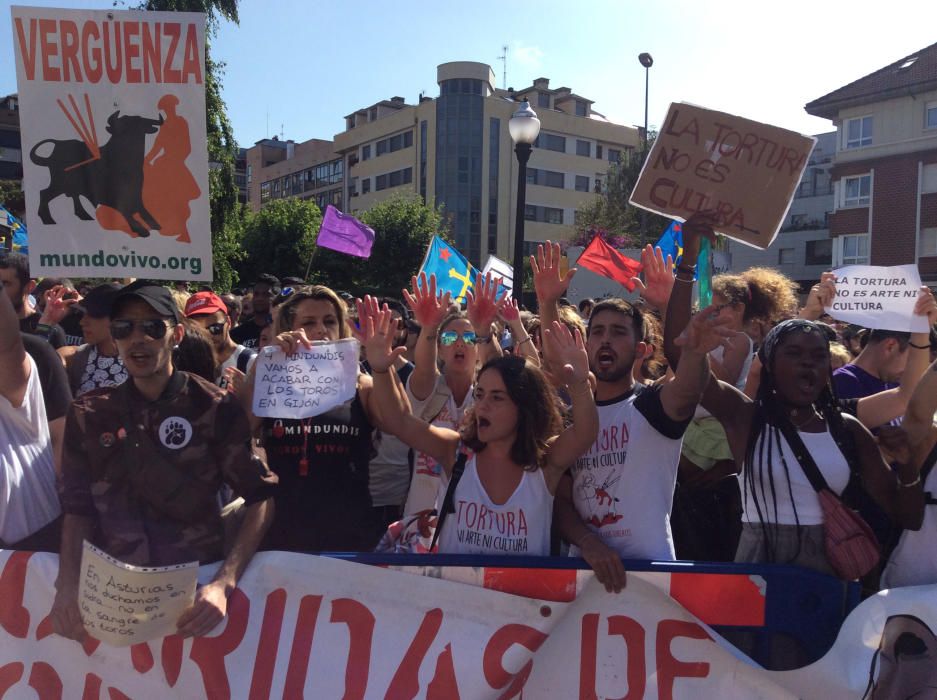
[878, 297]
[306, 383]
[122, 604]
[744, 170]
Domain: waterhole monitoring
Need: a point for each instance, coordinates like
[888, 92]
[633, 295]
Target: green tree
[280, 238]
[610, 211]
[403, 227]
[11, 196]
[226, 213]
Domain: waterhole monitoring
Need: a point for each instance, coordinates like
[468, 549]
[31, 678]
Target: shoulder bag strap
[804, 458]
[448, 504]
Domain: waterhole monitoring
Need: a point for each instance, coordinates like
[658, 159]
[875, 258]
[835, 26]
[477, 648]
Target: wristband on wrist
[910, 484]
[379, 371]
[525, 340]
[483, 338]
[678, 278]
[919, 347]
[687, 269]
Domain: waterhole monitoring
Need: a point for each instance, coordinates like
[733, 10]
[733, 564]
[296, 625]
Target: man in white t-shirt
[616, 501]
[30, 513]
[209, 311]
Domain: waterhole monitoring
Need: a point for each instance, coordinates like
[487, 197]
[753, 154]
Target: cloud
[526, 56]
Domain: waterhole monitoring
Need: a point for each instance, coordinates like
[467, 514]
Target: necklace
[813, 414]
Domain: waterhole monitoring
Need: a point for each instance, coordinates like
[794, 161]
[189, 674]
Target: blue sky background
[301, 65]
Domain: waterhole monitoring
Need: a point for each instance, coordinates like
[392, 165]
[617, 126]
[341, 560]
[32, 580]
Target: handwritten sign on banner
[307, 383]
[878, 297]
[122, 605]
[747, 172]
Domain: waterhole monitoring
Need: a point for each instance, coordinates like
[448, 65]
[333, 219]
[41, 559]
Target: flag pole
[309, 266]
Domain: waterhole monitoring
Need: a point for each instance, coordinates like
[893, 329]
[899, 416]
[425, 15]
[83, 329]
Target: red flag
[604, 260]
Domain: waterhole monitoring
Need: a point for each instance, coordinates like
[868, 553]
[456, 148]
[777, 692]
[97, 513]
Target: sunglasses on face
[215, 328]
[154, 328]
[449, 337]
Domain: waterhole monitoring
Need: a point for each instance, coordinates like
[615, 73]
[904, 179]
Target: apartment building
[885, 167]
[311, 170]
[11, 156]
[803, 249]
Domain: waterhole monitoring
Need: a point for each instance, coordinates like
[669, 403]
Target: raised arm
[821, 296]
[680, 396]
[390, 399]
[657, 286]
[919, 418]
[429, 310]
[572, 361]
[15, 375]
[549, 284]
[482, 308]
[523, 345]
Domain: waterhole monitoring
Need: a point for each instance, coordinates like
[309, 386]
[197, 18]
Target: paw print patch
[175, 432]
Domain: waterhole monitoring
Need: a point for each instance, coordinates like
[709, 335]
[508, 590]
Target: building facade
[803, 249]
[885, 166]
[310, 170]
[11, 155]
[455, 151]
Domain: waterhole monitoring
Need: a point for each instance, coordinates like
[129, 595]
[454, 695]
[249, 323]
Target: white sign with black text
[878, 297]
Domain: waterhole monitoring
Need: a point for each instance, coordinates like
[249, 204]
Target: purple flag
[344, 233]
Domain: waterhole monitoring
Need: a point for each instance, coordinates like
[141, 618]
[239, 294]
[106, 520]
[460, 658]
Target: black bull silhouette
[115, 179]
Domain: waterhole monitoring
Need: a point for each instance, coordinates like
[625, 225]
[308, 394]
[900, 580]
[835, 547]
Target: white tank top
[914, 561]
[520, 526]
[831, 463]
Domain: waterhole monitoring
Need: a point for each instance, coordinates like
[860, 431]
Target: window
[407, 139]
[819, 252]
[786, 256]
[930, 115]
[857, 132]
[366, 152]
[365, 185]
[928, 243]
[583, 148]
[614, 155]
[553, 179]
[548, 215]
[552, 216]
[857, 191]
[264, 192]
[250, 173]
[530, 212]
[543, 99]
[396, 143]
[598, 151]
[551, 142]
[582, 183]
[372, 114]
[382, 147]
[380, 183]
[855, 249]
[582, 109]
[798, 220]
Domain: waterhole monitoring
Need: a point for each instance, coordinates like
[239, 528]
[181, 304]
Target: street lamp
[524, 128]
[647, 61]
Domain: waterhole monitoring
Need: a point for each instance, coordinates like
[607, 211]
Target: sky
[297, 67]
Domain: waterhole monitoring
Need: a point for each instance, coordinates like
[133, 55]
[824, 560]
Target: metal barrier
[782, 617]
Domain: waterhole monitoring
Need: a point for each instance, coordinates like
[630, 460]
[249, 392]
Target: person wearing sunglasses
[209, 311]
[266, 288]
[143, 463]
[448, 351]
[96, 364]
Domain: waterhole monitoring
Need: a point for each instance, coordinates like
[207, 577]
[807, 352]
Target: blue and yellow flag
[671, 242]
[454, 274]
[20, 239]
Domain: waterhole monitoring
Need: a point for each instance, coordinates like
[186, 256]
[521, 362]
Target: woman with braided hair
[782, 521]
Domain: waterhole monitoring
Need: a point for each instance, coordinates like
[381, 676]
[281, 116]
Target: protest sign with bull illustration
[112, 110]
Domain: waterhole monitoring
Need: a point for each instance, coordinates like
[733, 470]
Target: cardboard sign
[122, 605]
[307, 383]
[115, 160]
[744, 170]
[878, 297]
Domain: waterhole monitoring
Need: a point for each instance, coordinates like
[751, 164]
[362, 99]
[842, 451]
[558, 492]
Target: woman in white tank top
[504, 501]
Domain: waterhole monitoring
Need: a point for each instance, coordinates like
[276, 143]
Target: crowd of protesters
[613, 431]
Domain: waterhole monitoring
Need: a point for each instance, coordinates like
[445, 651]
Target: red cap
[202, 303]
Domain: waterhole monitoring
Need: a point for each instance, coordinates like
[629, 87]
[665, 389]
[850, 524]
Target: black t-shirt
[247, 334]
[71, 324]
[324, 504]
[56, 393]
[29, 324]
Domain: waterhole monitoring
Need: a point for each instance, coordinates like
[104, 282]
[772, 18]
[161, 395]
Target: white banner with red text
[301, 625]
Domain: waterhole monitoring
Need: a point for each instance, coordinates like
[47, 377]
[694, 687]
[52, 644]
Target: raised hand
[483, 304]
[510, 312]
[704, 333]
[821, 295]
[57, 305]
[567, 351]
[697, 227]
[377, 337]
[548, 282]
[926, 305]
[428, 309]
[368, 307]
[659, 275]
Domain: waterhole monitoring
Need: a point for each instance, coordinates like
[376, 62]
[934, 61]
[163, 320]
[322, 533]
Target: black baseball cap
[97, 303]
[158, 297]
